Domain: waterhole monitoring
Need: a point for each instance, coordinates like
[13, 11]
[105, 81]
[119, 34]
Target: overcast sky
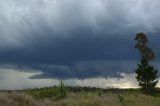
[64, 39]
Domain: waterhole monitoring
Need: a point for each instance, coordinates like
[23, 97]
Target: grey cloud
[89, 69]
[79, 70]
[83, 70]
[82, 47]
[22, 22]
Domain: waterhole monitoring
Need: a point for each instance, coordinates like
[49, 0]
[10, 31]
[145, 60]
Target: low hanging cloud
[93, 74]
[84, 70]
[12, 79]
[80, 70]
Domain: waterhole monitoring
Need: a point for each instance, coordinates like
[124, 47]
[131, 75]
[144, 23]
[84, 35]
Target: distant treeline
[79, 89]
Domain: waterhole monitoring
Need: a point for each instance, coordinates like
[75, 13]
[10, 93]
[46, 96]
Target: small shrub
[120, 98]
[61, 91]
[100, 92]
[47, 93]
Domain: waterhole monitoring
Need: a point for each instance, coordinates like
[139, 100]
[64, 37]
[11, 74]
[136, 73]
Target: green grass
[77, 96]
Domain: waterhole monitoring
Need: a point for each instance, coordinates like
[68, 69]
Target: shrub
[120, 98]
[61, 91]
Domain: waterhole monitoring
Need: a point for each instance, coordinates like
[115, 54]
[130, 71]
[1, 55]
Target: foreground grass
[78, 97]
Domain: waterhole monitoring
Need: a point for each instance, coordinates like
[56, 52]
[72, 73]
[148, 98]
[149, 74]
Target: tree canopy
[142, 46]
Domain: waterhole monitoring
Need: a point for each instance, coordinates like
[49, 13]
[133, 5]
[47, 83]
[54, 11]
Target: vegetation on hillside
[79, 97]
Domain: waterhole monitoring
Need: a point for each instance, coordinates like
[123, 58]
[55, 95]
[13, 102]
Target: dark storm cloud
[83, 70]
[81, 47]
[66, 32]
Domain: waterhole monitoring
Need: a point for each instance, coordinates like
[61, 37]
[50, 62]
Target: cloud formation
[16, 77]
[22, 22]
[13, 79]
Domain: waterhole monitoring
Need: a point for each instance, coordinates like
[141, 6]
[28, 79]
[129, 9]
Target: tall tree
[146, 73]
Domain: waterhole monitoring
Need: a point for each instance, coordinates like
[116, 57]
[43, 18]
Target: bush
[61, 91]
[100, 92]
[120, 98]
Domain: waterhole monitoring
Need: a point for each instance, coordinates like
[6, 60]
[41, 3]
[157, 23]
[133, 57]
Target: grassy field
[78, 97]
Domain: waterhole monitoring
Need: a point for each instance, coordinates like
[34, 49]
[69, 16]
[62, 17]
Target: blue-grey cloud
[84, 70]
[78, 70]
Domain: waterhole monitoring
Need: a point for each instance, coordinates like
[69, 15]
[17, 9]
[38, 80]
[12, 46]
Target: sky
[82, 42]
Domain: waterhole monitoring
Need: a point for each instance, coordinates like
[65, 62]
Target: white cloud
[13, 79]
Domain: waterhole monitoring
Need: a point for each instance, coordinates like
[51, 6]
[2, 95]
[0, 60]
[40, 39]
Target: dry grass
[20, 99]
[80, 99]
